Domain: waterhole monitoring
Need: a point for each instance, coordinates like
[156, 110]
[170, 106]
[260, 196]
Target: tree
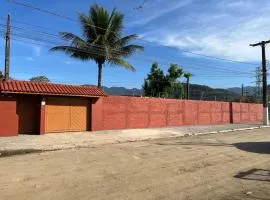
[101, 40]
[40, 79]
[174, 87]
[154, 84]
[187, 75]
[159, 85]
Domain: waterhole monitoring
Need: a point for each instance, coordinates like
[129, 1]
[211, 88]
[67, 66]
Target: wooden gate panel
[57, 115]
[66, 114]
[78, 115]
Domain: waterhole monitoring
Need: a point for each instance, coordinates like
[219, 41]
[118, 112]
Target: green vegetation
[187, 75]
[159, 85]
[40, 79]
[101, 40]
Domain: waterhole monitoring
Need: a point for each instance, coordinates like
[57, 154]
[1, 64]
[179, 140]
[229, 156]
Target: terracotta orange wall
[118, 112]
[244, 112]
[8, 117]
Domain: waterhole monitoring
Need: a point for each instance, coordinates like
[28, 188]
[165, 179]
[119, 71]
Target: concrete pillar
[96, 118]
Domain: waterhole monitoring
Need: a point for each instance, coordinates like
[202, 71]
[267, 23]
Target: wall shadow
[255, 174]
[254, 147]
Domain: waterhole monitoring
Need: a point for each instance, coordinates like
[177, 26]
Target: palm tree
[101, 40]
[1, 76]
[187, 75]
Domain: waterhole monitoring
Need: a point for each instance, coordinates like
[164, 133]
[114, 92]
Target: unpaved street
[216, 166]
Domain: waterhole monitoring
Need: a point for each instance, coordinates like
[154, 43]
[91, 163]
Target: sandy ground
[229, 166]
[56, 141]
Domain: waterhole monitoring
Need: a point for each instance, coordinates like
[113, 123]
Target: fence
[118, 112]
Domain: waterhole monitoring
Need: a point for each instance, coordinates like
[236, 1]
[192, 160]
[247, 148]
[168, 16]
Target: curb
[7, 153]
[229, 130]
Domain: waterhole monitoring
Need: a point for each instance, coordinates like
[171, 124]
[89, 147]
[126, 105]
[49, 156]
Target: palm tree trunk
[188, 88]
[99, 74]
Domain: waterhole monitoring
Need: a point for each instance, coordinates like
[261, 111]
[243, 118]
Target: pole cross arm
[260, 43]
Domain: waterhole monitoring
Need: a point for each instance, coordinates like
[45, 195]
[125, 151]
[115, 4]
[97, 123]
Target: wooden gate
[66, 114]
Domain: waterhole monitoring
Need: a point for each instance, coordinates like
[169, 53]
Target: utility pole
[202, 95]
[7, 50]
[264, 79]
[258, 81]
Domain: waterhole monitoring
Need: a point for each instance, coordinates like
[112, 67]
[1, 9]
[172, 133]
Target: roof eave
[51, 94]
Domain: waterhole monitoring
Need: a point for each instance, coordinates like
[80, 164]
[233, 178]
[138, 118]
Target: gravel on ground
[231, 166]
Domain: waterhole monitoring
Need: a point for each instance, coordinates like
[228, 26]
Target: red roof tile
[43, 88]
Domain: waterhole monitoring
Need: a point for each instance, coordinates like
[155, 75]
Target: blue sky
[169, 30]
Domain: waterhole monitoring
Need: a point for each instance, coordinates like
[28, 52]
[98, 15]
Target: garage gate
[67, 114]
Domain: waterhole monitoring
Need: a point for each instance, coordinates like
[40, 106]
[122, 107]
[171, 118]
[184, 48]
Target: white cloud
[226, 34]
[153, 10]
[30, 58]
[71, 62]
[37, 50]
[235, 4]
[68, 62]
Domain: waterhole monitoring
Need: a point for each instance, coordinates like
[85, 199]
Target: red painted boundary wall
[246, 113]
[8, 117]
[116, 112]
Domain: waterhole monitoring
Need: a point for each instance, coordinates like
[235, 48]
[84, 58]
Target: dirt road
[218, 166]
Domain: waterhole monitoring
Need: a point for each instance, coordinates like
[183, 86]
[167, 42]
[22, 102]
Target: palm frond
[100, 18]
[187, 75]
[115, 26]
[88, 27]
[82, 54]
[122, 63]
[101, 40]
[73, 39]
[129, 50]
[125, 40]
[108, 29]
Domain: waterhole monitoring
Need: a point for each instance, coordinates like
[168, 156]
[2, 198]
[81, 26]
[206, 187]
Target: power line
[21, 38]
[84, 50]
[27, 24]
[73, 20]
[56, 37]
[117, 51]
[206, 56]
[37, 31]
[202, 66]
[41, 10]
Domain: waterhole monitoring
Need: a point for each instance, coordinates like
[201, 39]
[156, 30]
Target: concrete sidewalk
[58, 141]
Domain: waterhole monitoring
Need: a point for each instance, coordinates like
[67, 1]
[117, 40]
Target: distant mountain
[203, 92]
[122, 91]
[197, 92]
[248, 90]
